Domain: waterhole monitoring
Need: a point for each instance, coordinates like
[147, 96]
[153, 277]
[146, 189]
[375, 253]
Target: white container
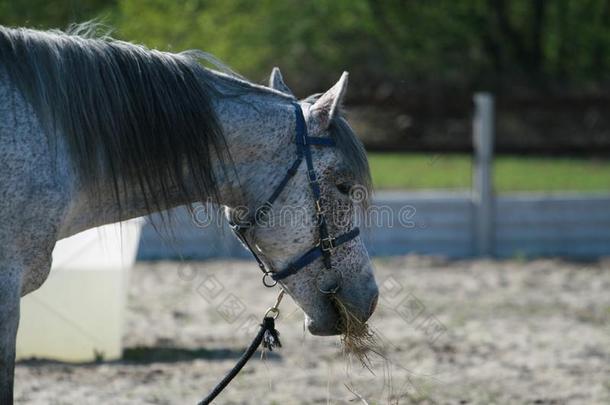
[78, 313]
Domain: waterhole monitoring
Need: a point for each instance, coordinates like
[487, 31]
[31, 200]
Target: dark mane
[135, 116]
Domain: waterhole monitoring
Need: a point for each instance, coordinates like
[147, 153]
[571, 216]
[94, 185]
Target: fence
[475, 223]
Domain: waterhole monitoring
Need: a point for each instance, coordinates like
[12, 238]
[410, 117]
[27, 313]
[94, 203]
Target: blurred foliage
[494, 44]
[50, 13]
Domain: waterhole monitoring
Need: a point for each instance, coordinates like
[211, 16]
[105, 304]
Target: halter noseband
[329, 281]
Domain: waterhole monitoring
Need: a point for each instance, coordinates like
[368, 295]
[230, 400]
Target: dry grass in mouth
[358, 341]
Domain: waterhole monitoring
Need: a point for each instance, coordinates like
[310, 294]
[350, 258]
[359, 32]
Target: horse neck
[257, 127]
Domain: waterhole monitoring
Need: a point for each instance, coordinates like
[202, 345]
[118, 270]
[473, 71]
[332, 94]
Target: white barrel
[78, 313]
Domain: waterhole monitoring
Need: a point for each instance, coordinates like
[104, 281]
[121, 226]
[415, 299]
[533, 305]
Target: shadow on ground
[153, 354]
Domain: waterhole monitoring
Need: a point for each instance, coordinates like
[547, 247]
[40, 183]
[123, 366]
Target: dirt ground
[460, 332]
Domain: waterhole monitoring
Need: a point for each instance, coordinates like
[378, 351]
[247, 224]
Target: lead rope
[267, 335]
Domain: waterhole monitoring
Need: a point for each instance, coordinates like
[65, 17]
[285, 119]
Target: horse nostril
[373, 304]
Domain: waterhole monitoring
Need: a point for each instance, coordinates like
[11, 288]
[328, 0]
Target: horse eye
[344, 188]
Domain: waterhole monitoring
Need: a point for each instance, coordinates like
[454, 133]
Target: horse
[95, 130]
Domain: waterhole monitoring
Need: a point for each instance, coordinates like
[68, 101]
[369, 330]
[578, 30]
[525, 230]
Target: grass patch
[511, 173]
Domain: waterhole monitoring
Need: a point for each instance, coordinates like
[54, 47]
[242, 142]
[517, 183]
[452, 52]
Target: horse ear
[327, 106]
[276, 81]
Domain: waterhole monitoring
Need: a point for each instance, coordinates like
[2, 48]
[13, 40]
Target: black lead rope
[268, 336]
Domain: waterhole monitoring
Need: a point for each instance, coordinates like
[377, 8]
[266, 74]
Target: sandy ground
[466, 332]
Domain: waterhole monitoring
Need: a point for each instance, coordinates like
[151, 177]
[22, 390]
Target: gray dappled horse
[95, 131]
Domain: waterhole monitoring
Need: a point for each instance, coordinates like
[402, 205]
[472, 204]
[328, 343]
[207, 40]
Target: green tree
[52, 14]
[494, 44]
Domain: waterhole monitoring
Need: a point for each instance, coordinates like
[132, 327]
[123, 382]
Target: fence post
[483, 194]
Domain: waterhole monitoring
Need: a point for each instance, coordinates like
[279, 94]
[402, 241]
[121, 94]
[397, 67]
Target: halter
[329, 281]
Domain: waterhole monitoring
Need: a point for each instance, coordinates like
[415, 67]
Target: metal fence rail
[437, 223]
[471, 223]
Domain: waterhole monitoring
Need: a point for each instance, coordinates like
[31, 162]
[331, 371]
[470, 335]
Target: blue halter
[330, 281]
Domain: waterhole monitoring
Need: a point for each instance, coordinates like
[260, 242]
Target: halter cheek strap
[314, 253]
[326, 244]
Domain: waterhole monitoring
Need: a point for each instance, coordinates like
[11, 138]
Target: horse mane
[136, 116]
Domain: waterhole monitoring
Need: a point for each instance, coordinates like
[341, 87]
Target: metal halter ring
[266, 277]
[327, 244]
[272, 312]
